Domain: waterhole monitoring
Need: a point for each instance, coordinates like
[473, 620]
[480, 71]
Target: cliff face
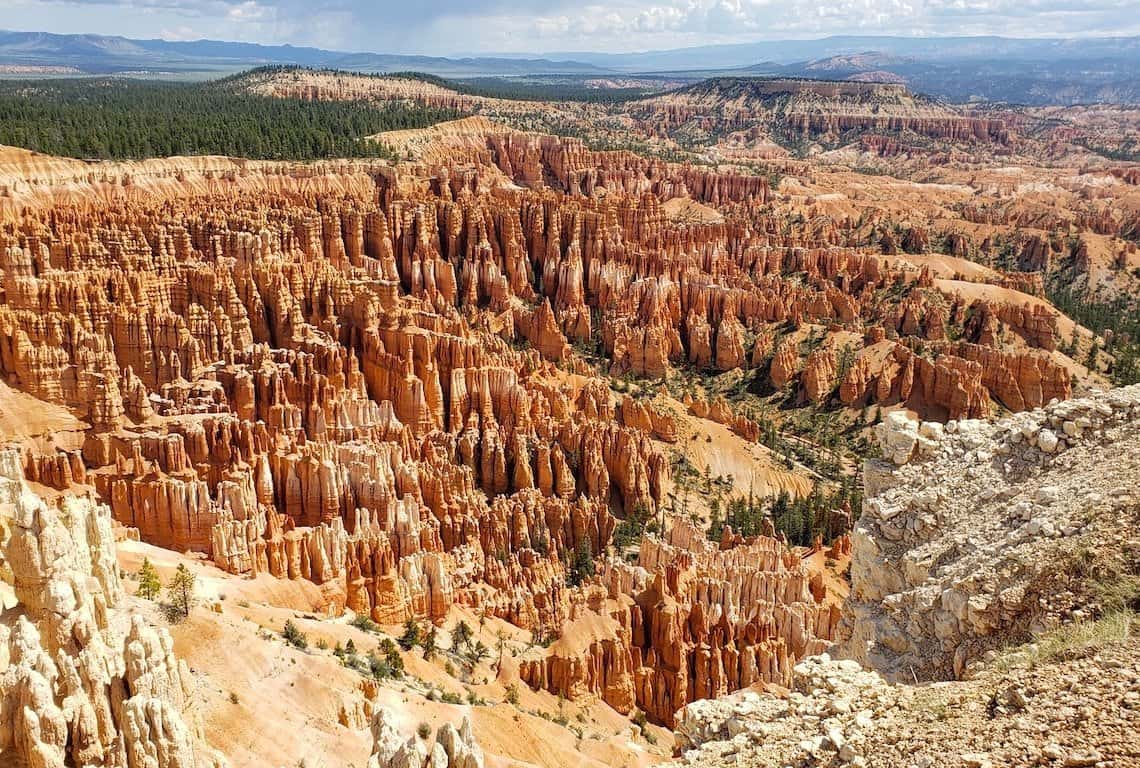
[817, 110]
[976, 539]
[959, 380]
[82, 682]
[968, 532]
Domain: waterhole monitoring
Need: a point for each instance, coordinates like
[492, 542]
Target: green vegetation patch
[1120, 315]
[121, 119]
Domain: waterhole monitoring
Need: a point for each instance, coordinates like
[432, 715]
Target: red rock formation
[947, 383]
[383, 380]
[1020, 380]
[325, 348]
[720, 411]
[647, 418]
[958, 380]
[819, 375]
[729, 344]
[690, 621]
[784, 365]
[814, 109]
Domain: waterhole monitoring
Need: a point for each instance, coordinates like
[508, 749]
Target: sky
[450, 27]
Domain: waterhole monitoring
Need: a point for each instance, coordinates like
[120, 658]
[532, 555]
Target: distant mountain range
[959, 69]
[1112, 77]
[923, 48]
[104, 54]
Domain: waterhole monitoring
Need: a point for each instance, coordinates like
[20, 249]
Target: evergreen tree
[716, 522]
[581, 564]
[477, 652]
[501, 637]
[411, 636]
[150, 586]
[461, 634]
[781, 513]
[294, 636]
[392, 658]
[180, 594]
[629, 531]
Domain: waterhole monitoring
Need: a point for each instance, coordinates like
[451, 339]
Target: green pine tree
[581, 564]
[180, 594]
[411, 636]
[461, 634]
[150, 586]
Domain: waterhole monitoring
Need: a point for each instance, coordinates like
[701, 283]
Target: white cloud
[247, 11]
[449, 26]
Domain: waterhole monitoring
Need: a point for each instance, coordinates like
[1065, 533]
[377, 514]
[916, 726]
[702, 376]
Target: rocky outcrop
[784, 365]
[1020, 380]
[962, 535]
[721, 411]
[649, 418]
[83, 682]
[357, 395]
[1016, 713]
[453, 747]
[828, 713]
[819, 375]
[729, 344]
[958, 382]
[973, 537]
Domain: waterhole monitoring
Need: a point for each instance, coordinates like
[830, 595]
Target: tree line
[112, 118]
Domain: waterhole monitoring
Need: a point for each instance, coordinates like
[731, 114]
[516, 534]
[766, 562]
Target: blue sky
[444, 27]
